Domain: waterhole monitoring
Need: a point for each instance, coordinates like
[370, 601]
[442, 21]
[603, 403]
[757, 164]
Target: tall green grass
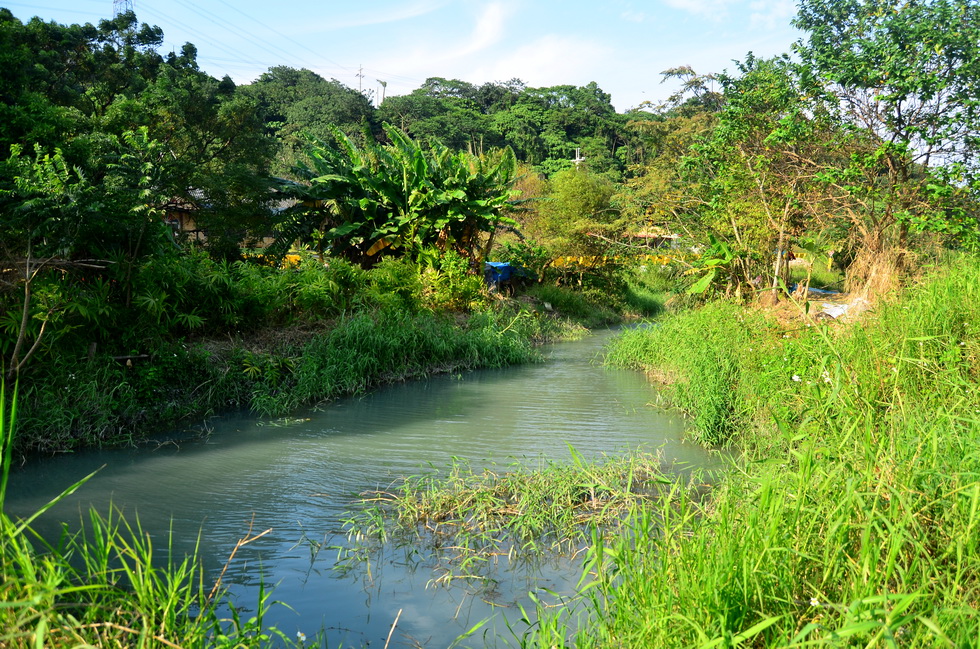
[588, 310]
[106, 585]
[392, 345]
[94, 404]
[700, 356]
[852, 517]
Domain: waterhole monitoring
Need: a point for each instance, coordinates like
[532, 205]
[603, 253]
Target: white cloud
[633, 16]
[771, 14]
[376, 16]
[714, 9]
[488, 31]
[447, 54]
[549, 60]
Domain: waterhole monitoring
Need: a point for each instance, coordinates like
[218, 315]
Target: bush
[449, 284]
[395, 284]
[580, 306]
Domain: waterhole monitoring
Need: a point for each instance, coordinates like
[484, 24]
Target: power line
[36, 7]
[288, 38]
[206, 39]
[240, 60]
[319, 55]
[251, 38]
[121, 7]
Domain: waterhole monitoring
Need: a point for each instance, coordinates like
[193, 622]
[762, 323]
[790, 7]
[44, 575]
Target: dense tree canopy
[544, 126]
[91, 98]
[903, 79]
[865, 142]
[294, 102]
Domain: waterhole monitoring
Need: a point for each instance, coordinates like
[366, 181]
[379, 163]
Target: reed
[699, 357]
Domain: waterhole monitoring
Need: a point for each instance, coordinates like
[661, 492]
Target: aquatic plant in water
[465, 520]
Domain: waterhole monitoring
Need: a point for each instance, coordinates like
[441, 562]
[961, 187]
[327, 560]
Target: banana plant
[715, 259]
[398, 198]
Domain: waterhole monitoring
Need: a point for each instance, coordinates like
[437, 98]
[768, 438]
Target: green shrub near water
[852, 517]
[98, 403]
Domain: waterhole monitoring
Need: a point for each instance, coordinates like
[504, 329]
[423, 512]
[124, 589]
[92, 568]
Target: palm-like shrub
[364, 202]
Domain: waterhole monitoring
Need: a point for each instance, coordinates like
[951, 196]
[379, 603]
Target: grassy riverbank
[99, 404]
[853, 516]
[247, 336]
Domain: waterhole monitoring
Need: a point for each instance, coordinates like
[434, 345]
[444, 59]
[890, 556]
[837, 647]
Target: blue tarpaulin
[497, 272]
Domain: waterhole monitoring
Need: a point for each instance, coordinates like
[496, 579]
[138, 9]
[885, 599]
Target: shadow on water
[299, 475]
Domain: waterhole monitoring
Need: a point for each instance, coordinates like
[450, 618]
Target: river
[299, 475]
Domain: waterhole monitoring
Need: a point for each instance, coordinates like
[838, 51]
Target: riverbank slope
[852, 515]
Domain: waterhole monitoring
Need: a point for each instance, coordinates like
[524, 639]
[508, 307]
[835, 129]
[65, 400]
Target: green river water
[299, 475]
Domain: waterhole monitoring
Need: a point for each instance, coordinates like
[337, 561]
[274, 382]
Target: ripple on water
[298, 476]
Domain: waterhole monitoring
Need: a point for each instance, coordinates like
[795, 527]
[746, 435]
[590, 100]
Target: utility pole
[384, 84]
[360, 79]
[121, 7]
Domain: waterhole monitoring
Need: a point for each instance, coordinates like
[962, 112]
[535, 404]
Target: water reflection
[298, 476]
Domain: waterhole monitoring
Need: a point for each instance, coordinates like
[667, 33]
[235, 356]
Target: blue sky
[622, 45]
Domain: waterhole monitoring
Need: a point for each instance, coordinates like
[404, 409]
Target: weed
[106, 585]
[851, 517]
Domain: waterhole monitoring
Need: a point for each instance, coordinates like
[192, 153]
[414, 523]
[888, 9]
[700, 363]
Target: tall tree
[760, 166]
[451, 111]
[904, 77]
[80, 89]
[294, 102]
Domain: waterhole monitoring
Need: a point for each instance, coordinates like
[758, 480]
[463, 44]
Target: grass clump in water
[468, 517]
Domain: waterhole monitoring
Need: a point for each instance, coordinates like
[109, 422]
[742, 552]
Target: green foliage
[530, 256]
[647, 289]
[824, 532]
[391, 345]
[586, 308]
[578, 221]
[448, 283]
[395, 284]
[397, 199]
[107, 584]
[902, 79]
[105, 102]
[544, 126]
[294, 102]
[716, 262]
